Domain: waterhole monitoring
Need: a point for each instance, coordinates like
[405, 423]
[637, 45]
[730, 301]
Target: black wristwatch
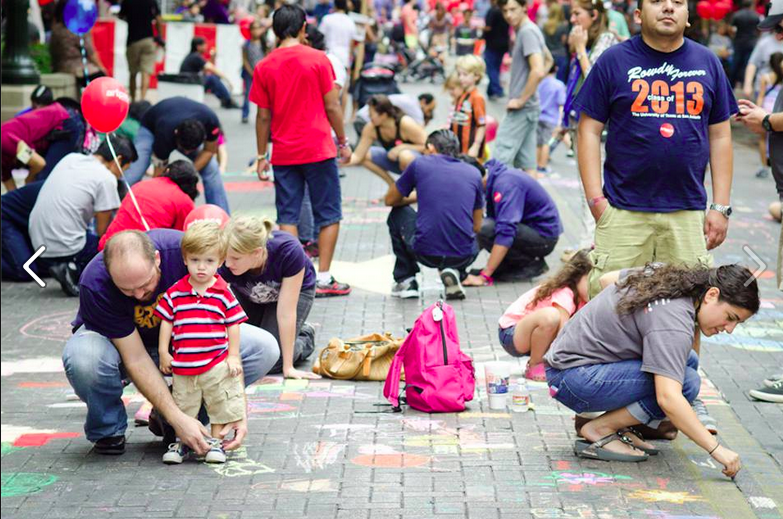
[725, 210]
[766, 123]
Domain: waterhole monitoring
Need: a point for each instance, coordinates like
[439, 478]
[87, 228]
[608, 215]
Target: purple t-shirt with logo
[552, 93]
[448, 191]
[107, 311]
[514, 197]
[285, 258]
[658, 108]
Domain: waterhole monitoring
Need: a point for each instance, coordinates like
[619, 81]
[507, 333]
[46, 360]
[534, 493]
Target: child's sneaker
[452, 285]
[216, 453]
[406, 289]
[178, 452]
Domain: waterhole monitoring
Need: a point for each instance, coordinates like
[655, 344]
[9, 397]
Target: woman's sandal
[631, 430]
[596, 450]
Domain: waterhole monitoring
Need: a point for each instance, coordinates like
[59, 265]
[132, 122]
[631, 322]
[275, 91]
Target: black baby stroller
[374, 79]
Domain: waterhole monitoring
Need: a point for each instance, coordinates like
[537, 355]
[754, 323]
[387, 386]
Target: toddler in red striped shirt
[201, 316]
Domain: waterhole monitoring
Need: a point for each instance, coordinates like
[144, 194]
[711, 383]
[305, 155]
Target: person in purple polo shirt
[521, 228]
[116, 335]
[441, 234]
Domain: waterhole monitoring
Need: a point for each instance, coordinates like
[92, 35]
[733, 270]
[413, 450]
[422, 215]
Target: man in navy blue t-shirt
[441, 234]
[666, 103]
[522, 226]
[116, 337]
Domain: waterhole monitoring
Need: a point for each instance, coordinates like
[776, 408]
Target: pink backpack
[439, 378]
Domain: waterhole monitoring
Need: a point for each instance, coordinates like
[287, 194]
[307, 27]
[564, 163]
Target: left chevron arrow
[29, 262]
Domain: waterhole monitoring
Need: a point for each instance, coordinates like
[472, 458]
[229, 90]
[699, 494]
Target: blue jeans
[247, 79]
[95, 371]
[607, 387]
[16, 207]
[71, 141]
[213, 84]
[493, 59]
[214, 191]
[402, 229]
[306, 220]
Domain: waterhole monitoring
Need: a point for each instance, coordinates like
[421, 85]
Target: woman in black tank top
[400, 137]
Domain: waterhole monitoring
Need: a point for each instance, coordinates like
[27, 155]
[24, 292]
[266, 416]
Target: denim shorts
[506, 336]
[380, 157]
[323, 180]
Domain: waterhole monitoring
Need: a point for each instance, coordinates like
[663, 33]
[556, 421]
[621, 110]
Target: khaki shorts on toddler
[222, 394]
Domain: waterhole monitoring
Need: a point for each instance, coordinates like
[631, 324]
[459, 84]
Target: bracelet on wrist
[489, 279]
[714, 449]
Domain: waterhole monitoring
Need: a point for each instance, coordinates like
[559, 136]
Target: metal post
[18, 68]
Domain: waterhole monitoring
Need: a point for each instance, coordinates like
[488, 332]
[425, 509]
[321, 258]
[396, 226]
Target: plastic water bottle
[520, 397]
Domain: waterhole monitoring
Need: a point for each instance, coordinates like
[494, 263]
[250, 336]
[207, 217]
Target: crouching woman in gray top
[629, 352]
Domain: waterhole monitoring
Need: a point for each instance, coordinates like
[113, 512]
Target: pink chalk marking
[52, 327]
[562, 465]
[291, 396]
[40, 439]
[26, 385]
[245, 187]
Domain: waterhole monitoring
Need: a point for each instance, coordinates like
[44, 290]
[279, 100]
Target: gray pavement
[319, 449]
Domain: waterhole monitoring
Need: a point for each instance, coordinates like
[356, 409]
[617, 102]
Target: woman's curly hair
[736, 283]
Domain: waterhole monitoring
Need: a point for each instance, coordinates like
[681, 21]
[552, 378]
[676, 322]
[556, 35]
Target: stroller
[425, 62]
[374, 79]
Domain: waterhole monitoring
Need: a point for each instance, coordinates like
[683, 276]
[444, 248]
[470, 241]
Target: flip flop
[537, 373]
[596, 450]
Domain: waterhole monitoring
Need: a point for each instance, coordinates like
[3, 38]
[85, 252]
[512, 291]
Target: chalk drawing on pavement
[238, 464]
[385, 457]
[25, 483]
[52, 327]
[657, 496]
[36, 365]
[317, 455]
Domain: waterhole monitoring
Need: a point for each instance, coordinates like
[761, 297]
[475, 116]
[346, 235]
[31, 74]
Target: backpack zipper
[443, 337]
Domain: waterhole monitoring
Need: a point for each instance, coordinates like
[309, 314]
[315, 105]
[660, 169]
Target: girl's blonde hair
[245, 234]
[555, 19]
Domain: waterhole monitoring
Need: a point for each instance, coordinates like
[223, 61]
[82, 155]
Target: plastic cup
[496, 375]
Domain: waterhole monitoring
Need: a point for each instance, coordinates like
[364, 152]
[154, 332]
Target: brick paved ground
[316, 449]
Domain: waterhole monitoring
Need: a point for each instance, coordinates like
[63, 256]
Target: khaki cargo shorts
[141, 56]
[222, 394]
[627, 239]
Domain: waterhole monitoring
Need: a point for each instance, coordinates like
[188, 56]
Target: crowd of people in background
[577, 73]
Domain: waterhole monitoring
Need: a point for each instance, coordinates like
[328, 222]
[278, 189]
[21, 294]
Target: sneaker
[704, 417]
[546, 170]
[771, 381]
[177, 453]
[230, 105]
[773, 393]
[332, 288]
[110, 446]
[762, 172]
[216, 453]
[68, 275]
[453, 287]
[570, 153]
[407, 289]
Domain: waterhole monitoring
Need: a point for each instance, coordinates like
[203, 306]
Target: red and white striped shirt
[199, 324]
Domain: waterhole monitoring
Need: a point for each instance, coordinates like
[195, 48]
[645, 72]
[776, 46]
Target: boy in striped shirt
[204, 317]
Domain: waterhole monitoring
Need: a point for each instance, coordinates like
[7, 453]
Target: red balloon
[705, 10]
[492, 128]
[209, 213]
[244, 26]
[720, 10]
[105, 104]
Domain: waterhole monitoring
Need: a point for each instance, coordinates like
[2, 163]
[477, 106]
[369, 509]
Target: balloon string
[130, 190]
[84, 61]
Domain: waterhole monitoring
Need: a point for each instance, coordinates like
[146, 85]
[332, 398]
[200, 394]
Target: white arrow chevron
[29, 262]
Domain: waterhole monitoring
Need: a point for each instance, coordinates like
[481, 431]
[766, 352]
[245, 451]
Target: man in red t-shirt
[294, 90]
